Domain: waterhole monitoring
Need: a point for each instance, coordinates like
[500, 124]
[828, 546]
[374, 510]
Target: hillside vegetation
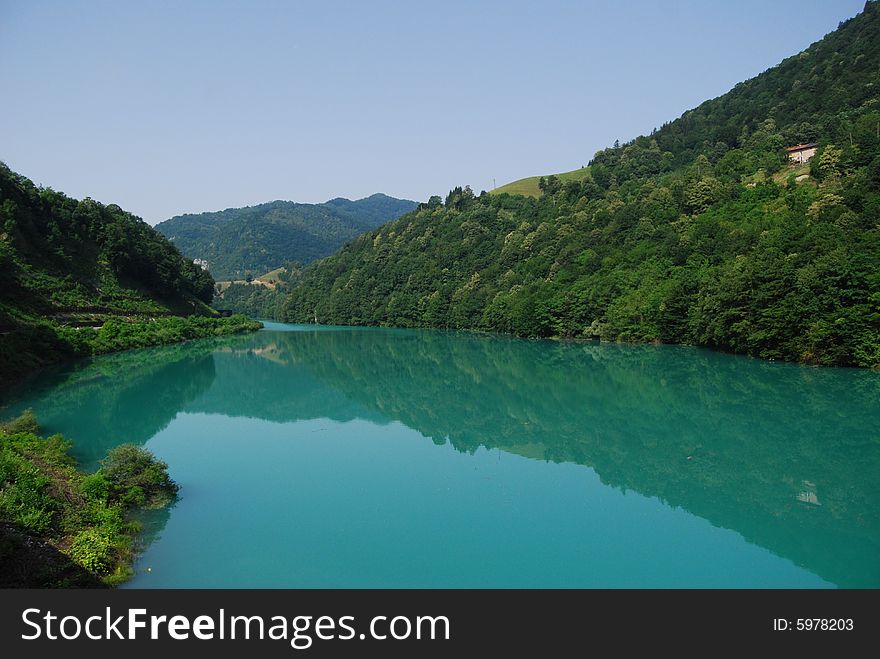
[82, 278]
[698, 233]
[242, 242]
[262, 297]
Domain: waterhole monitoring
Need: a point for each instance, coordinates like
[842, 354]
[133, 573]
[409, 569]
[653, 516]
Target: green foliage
[115, 335]
[252, 300]
[135, 475]
[242, 242]
[96, 486]
[64, 527]
[682, 236]
[25, 422]
[263, 298]
[93, 549]
[24, 496]
[36, 342]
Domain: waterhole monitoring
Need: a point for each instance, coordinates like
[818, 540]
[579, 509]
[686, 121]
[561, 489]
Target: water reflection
[786, 456]
[126, 397]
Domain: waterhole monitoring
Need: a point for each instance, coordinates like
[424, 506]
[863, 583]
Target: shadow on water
[785, 455]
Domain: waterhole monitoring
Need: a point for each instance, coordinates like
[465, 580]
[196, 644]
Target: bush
[93, 550]
[96, 486]
[24, 497]
[137, 477]
[25, 422]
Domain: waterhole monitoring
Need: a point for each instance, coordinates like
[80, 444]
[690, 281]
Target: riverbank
[61, 528]
[34, 343]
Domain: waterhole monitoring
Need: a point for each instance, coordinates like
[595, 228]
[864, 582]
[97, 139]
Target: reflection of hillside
[125, 397]
[270, 351]
[787, 456]
[259, 378]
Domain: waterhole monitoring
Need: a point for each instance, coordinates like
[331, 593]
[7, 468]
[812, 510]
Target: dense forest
[701, 232]
[242, 242]
[80, 278]
[253, 300]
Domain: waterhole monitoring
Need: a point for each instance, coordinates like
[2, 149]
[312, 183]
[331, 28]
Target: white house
[801, 152]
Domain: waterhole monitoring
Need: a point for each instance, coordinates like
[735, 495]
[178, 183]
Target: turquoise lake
[350, 457]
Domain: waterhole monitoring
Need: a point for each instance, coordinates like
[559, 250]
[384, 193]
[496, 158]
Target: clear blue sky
[172, 107]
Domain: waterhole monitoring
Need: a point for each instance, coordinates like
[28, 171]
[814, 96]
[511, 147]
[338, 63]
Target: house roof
[801, 147]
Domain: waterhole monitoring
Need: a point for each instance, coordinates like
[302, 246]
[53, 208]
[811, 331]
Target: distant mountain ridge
[251, 240]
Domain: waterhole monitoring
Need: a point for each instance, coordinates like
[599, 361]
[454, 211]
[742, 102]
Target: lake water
[351, 457]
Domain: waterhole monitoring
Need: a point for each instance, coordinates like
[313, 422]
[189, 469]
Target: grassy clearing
[223, 286]
[272, 277]
[782, 176]
[529, 186]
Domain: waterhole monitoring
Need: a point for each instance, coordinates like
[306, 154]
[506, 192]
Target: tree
[829, 162]
[702, 194]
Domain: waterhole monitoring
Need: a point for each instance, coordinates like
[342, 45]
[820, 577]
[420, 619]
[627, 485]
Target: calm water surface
[347, 457]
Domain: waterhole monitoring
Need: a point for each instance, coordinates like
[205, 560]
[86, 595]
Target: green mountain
[82, 278]
[241, 242]
[701, 232]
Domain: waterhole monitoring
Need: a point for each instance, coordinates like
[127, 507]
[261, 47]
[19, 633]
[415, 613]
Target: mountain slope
[81, 278]
[238, 242]
[686, 235]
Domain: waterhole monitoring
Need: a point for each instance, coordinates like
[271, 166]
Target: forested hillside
[241, 242]
[700, 233]
[82, 278]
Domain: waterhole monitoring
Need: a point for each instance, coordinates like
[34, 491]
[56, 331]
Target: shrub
[93, 550]
[24, 497]
[25, 422]
[137, 477]
[96, 486]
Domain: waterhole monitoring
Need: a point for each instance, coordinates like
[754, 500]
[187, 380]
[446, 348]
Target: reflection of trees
[745, 444]
[259, 379]
[125, 397]
[152, 522]
[785, 455]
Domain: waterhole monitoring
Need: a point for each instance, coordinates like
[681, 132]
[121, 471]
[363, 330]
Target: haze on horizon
[170, 108]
